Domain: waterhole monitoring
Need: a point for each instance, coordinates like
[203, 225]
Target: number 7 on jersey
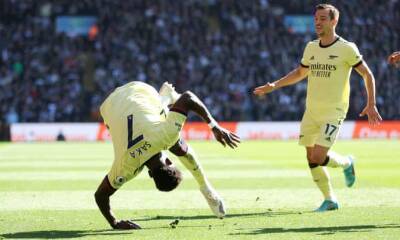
[131, 141]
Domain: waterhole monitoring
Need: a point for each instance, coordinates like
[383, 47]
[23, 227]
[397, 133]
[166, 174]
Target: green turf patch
[247, 223]
[46, 191]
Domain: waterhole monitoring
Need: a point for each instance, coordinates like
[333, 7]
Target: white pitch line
[191, 199]
[95, 175]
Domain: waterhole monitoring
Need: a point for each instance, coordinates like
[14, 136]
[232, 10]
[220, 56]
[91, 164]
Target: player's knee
[180, 148]
[312, 165]
[311, 162]
[309, 158]
[317, 159]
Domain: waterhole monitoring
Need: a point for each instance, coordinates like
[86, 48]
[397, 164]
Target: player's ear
[335, 21]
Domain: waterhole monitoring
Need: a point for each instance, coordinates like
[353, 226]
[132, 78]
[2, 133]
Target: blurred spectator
[218, 49]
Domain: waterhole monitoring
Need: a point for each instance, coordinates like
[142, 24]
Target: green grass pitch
[46, 191]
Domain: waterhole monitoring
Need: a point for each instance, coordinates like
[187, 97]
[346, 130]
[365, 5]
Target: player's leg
[334, 160]
[321, 177]
[189, 159]
[309, 131]
[327, 138]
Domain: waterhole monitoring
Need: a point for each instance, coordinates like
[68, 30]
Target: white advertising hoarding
[200, 131]
[22, 132]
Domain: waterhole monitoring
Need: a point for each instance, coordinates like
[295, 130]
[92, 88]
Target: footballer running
[327, 63]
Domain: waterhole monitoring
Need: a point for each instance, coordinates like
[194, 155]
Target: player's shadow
[199, 217]
[60, 234]
[317, 230]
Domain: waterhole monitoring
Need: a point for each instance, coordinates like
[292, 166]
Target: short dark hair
[333, 11]
[166, 178]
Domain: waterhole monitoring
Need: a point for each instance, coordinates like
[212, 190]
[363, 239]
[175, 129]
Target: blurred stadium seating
[218, 49]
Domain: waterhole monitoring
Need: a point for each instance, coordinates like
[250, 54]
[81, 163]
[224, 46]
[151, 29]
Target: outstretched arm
[188, 101]
[370, 110]
[102, 196]
[293, 77]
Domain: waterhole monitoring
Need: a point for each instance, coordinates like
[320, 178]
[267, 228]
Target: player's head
[166, 176]
[326, 18]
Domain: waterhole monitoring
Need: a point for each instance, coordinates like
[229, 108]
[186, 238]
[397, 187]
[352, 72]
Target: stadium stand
[218, 49]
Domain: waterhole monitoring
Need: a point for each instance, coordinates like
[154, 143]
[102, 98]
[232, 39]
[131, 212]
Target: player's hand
[373, 115]
[225, 137]
[126, 225]
[264, 89]
[394, 58]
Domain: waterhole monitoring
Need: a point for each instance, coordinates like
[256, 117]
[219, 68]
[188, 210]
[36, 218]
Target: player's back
[132, 113]
[138, 128]
[135, 98]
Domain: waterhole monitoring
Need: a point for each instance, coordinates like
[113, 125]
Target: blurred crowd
[220, 50]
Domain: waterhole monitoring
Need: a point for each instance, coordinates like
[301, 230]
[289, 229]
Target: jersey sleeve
[116, 176]
[121, 172]
[354, 58]
[305, 61]
[173, 125]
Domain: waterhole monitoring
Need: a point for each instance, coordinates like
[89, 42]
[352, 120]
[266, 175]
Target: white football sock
[190, 162]
[168, 94]
[337, 160]
[321, 178]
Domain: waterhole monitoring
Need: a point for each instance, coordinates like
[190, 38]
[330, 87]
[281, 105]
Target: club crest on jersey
[119, 180]
[142, 149]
